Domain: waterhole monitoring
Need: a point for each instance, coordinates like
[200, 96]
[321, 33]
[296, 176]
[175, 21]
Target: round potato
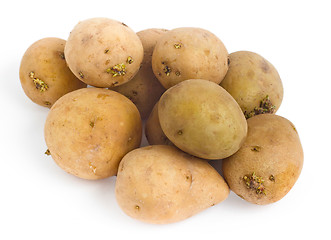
[144, 90]
[202, 119]
[88, 131]
[161, 184]
[189, 53]
[254, 83]
[44, 74]
[103, 52]
[153, 130]
[268, 164]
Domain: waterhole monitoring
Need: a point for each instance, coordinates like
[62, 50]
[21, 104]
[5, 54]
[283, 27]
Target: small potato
[268, 164]
[202, 119]
[88, 131]
[161, 184]
[153, 130]
[254, 83]
[44, 74]
[144, 90]
[189, 53]
[103, 52]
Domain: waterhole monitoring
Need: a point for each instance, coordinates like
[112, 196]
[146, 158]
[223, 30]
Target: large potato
[268, 164]
[153, 130]
[88, 131]
[160, 184]
[189, 53]
[202, 119]
[44, 74]
[254, 83]
[144, 90]
[103, 52]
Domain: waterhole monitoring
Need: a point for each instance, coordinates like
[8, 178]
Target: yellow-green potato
[202, 119]
[153, 130]
[88, 131]
[189, 53]
[160, 184]
[144, 90]
[254, 83]
[103, 52]
[44, 74]
[268, 164]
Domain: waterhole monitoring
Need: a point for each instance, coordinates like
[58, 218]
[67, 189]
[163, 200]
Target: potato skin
[44, 61]
[88, 131]
[202, 119]
[189, 53]
[161, 184]
[250, 79]
[103, 52]
[153, 130]
[273, 152]
[144, 90]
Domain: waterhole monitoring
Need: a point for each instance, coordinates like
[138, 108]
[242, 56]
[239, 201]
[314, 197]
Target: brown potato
[268, 164]
[161, 184]
[88, 131]
[189, 53]
[103, 52]
[202, 119]
[254, 83]
[144, 90]
[44, 74]
[153, 130]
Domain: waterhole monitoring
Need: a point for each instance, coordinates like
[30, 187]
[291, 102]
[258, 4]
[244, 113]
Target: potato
[202, 119]
[88, 131]
[254, 83]
[189, 53]
[103, 52]
[144, 90]
[153, 130]
[268, 164]
[160, 184]
[44, 74]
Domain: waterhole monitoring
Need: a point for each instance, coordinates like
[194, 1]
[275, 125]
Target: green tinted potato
[268, 164]
[88, 131]
[44, 74]
[144, 90]
[189, 53]
[161, 184]
[103, 52]
[202, 119]
[254, 83]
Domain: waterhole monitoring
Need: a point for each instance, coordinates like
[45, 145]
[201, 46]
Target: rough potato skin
[103, 52]
[189, 53]
[153, 130]
[250, 79]
[273, 152]
[202, 119]
[161, 184]
[44, 61]
[88, 131]
[144, 90]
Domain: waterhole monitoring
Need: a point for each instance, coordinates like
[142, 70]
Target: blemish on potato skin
[39, 84]
[47, 103]
[81, 75]
[167, 70]
[106, 51]
[137, 207]
[48, 152]
[256, 148]
[266, 106]
[254, 182]
[129, 60]
[272, 178]
[229, 61]
[180, 132]
[92, 167]
[91, 124]
[265, 66]
[177, 73]
[134, 93]
[61, 54]
[177, 45]
[124, 24]
[102, 96]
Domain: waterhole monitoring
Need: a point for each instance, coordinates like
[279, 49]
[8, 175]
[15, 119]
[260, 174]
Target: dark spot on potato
[180, 132]
[159, 74]
[124, 24]
[102, 96]
[265, 66]
[252, 181]
[47, 103]
[137, 207]
[163, 63]
[81, 75]
[256, 148]
[91, 124]
[177, 73]
[177, 45]
[61, 54]
[107, 62]
[167, 70]
[228, 61]
[134, 93]
[129, 60]
[114, 84]
[272, 178]
[48, 152]
[106, 51]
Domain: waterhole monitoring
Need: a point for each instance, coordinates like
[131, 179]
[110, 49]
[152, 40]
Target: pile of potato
[199, 102]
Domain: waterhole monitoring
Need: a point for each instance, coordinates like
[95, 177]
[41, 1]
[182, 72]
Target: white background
[40, 201]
